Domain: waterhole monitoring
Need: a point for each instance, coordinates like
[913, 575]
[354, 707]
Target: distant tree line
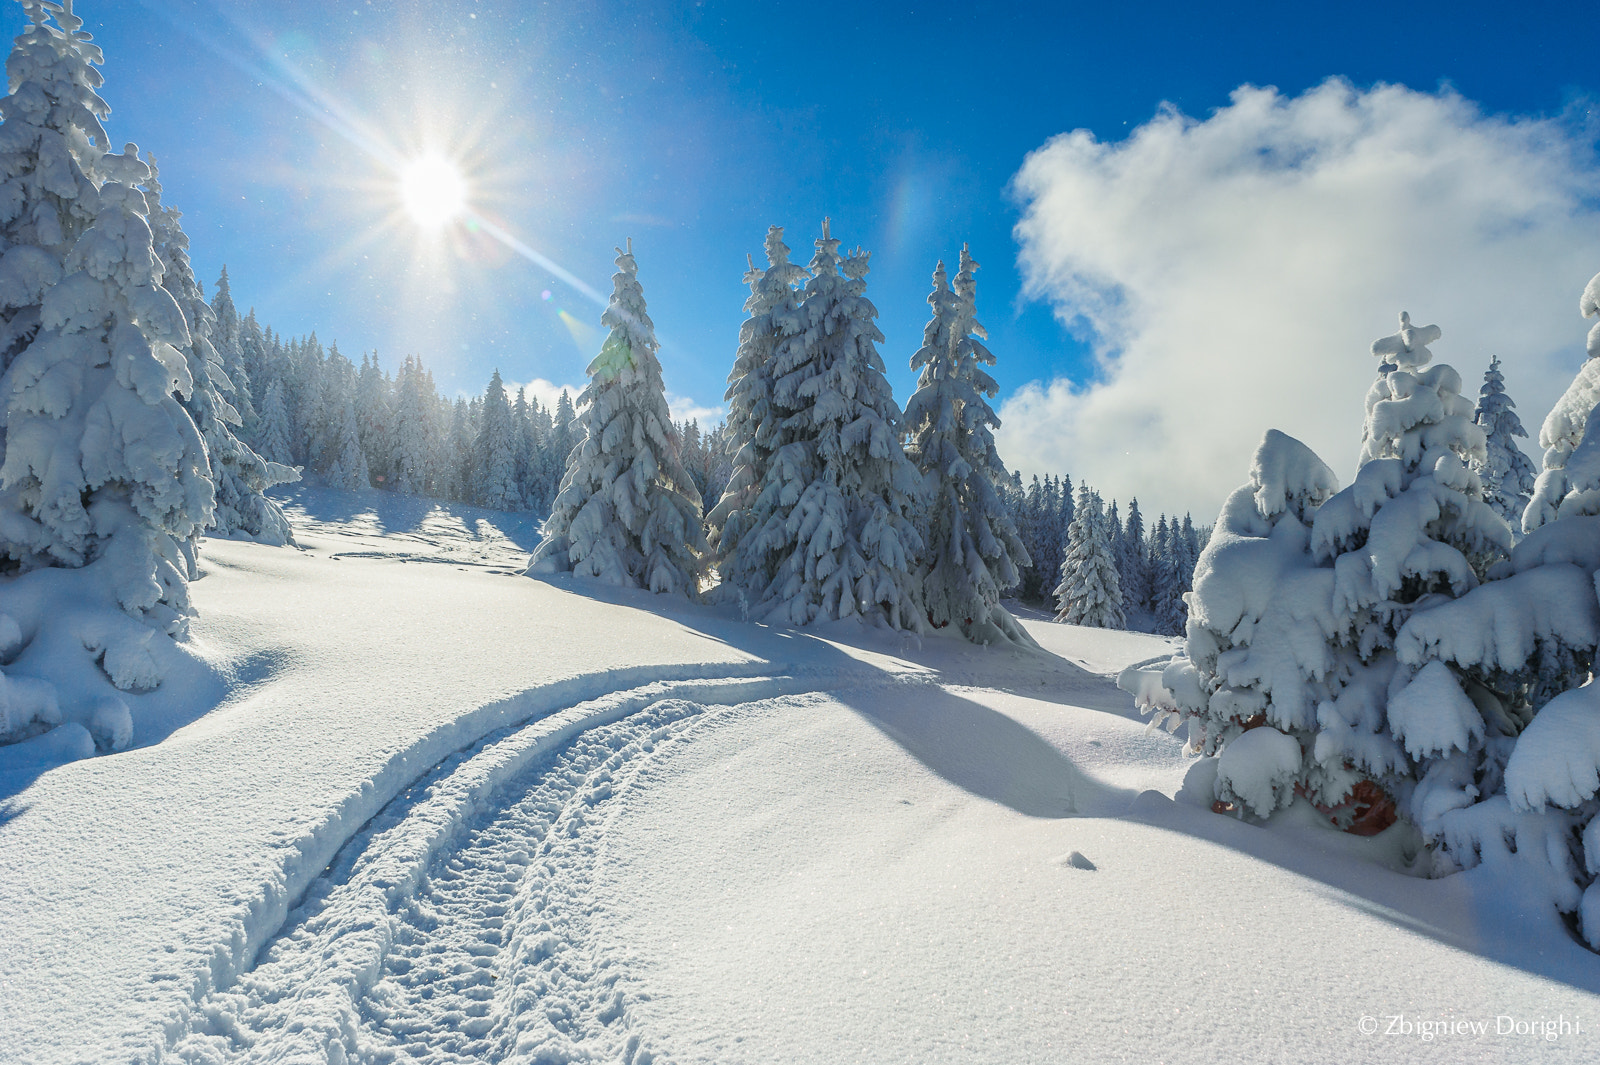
[356, 426]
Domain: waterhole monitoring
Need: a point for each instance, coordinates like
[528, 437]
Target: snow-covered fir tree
[103, 464]
[558, 449]
[1133, 562]
[525, 444]
[272, 435]
[1564, 426]
[347, 465]
[495, 451]
[375, 416]
[1258, 661]
[972, 549]
[456, 474]
[1409, 534]
[49, 152]
[1089, 592]
[627, 512]
[228, 339]
[1507, 474]
[414, 431]
[753, 425]
[239, 475]
[831, 533]
[1167, 579]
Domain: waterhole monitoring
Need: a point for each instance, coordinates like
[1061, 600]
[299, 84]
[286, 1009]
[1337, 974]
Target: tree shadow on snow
[979, 750]
[992, 756]
[399, 513]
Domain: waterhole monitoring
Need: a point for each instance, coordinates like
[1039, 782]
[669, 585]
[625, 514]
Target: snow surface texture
[428, 813]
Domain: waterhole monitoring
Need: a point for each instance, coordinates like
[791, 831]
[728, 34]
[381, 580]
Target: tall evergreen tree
[228, 339]
[495, 451]
[347, 465]
[273, 434]
[1507, 473]
[375, 416]
[415, 432]
[102, 461]
[1089, 592]
[1412, 531]
[48, 166]
[972, 548]
[831, 531]
[1133, 563]
[753, 426]
[239, 475]
[1564, 426]
[627, 512]
[1167, 579]
[525, 446]
[558, 449]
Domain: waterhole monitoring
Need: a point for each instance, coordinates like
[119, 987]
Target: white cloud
[684, 409]
[1233, 273]
[545, 392]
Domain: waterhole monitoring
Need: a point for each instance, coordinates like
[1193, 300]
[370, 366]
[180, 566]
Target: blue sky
[690, 127]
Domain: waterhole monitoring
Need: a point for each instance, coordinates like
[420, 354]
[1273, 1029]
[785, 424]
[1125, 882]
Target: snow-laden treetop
[1407, 349]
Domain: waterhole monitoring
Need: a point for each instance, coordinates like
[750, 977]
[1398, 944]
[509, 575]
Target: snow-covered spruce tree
[103, 465]
[325, 428]
[1133, 562]
[375, 417]
[972, 550]
[239, 475]
[1167, 612]
[495, 451]
[832, 533]
[413, 432]
[556, 450]
[1564, 426]
[753, 429]
[1529, 637]
[228, 338]
[525, 444]
[627, 512]
[1552, 776]
[1259, 658]
[273, 427]
[347, 467]
[51, 141]
[1411, 533]
[254, 351]
[1089, 592]
[1507, 474]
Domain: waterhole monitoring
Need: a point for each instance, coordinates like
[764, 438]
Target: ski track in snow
[454, 926]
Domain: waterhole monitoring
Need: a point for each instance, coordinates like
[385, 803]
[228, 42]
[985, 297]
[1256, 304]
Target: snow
[1259, 769]
[1557, 759]
[394, 802]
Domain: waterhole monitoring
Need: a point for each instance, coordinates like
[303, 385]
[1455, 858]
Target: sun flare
[433, 191]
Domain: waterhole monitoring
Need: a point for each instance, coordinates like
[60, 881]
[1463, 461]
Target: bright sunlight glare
[433, 191]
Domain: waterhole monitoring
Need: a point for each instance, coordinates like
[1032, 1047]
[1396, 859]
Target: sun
[433, 191]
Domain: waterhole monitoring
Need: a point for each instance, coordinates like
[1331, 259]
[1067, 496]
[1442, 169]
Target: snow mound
[1557, 758]
[1259, 769]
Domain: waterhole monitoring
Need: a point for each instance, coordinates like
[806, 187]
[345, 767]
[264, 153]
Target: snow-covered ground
[406, 805]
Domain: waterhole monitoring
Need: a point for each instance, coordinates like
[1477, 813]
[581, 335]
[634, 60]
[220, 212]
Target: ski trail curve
[453, 926]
